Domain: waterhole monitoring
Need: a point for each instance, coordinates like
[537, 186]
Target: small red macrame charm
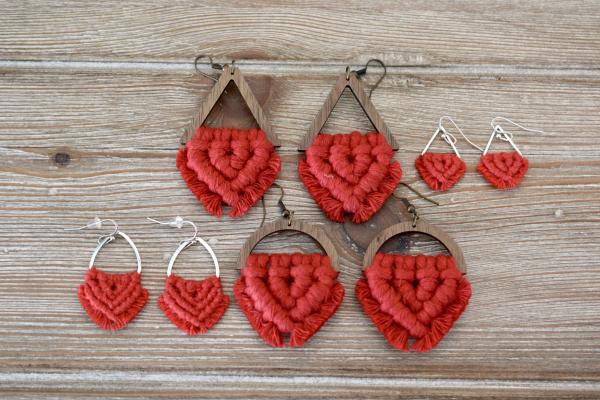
[504, 170]
[112, 300]
[440, 171]
[233, 167]
[288, 294]
[350, 173]
[416, 298]
[193, 306]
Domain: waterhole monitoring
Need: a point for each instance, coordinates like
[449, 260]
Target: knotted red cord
[224, 166]
[350, 173]
[414, 298]
[283, 294]
[440, 171]
[504, 170]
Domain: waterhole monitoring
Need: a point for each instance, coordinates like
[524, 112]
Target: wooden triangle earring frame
[230, 73]
[348, 80]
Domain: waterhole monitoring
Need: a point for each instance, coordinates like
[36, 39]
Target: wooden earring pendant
[194, 306]
[413, 300]
[503, 170]
[441, 171]
[227, 166]
[288, 295]
[349, 173]
[112, 300]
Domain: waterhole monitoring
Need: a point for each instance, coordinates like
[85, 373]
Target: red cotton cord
[350, 173]
[440, 171]
[504, 170]
[193, 306]
[413, 300]
[224, 166]
[288, 294]
[112, 300]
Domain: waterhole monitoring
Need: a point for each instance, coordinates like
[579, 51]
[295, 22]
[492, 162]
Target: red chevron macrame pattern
[350, 173]
[440, 171]
[193, 306]
[288, 294]
[112, 300]
[413, 300]
[224, 166]
[504, 170]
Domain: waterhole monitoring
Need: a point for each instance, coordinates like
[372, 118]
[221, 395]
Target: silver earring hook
[445, 117]
[97, 224]
[211, 63]
[499, 133]
[178, 222]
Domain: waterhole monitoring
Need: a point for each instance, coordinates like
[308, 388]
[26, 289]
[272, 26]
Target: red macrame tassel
[350, 173]
[291, 294]
[112, 300]
[233, 167]
[193, 306]
[440, 171]
[504, 170]
[413, 297]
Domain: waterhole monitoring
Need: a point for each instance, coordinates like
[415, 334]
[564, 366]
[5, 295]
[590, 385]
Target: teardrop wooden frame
[421, 227]
[347, 80]
[283, 224]
[229, 74]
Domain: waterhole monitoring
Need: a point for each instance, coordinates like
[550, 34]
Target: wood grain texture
[535, 33]
[90, 127]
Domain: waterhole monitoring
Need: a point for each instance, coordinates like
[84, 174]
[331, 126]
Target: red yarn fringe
[112, 300]
[413, 297]
[504, 170]
[440, 171]
[224, 166]
[193, 306]
[350, 173]
[291, 294]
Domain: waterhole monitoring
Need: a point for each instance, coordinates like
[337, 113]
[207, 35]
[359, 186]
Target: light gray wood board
[536, 34]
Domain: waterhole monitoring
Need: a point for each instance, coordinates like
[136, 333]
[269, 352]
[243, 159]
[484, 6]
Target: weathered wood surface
[80, 139]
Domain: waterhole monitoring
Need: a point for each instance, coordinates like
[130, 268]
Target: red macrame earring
[349, 173]
[441, 171]
[504, 170]
[112, 300]
[193, 306]
[288, 297]
[413, 300]
[226, 166]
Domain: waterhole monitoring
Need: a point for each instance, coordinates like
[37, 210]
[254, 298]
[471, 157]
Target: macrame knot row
[224, 166]
[112, 300]
[440, 171]
[193, 306]
[291, 294]
[504, 170]
[350, 173]
[413, 297]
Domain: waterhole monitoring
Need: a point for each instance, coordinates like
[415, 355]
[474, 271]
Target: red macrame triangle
[233, 167]
[440, 171]
[112, 300]
[350, 173]
[283, 294]
[415, 298]
[193, 306]
[504, 170]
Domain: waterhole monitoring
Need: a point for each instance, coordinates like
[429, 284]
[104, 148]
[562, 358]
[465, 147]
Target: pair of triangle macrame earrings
[346, 174]
[503, 170]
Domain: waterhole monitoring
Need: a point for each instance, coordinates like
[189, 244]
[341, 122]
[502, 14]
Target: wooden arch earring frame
[290, 224]
[347, 80]
[230, 73]
[417, 225]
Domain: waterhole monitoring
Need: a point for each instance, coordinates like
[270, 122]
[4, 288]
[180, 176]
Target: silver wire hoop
[187, 243]
[107, 239]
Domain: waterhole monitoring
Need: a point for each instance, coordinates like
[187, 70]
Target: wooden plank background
[109, 88]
